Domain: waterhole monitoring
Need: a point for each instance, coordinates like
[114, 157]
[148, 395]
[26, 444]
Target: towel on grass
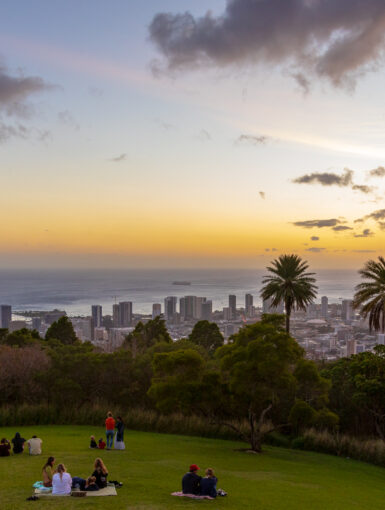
[107, 491]
[192, 496]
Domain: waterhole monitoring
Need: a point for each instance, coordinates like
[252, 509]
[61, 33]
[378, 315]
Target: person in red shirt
[101, 444]
[110, 427]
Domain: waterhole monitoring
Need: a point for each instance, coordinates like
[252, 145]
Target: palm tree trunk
[287, 323]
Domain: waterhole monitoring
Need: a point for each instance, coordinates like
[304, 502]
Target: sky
[185, 133]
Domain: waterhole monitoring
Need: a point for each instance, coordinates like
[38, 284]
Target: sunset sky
[132, 138]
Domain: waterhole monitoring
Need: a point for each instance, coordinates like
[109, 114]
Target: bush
[298, 443]
[301, 415]
[326, 420]
[277, 439]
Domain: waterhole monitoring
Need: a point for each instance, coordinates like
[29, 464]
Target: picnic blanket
[110, 490]
[192, 496]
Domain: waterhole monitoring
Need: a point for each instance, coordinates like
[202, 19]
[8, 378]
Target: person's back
[61, 483]
[5, 448]
[18, 443]
[191, 481]
[208, 486]
[34, 445]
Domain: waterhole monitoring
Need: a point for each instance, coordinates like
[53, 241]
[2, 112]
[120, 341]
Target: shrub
[326, 420]
[301, 415]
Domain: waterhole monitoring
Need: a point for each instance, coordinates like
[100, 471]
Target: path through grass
[152, 465]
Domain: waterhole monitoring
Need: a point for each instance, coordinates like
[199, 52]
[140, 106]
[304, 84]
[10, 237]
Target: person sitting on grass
[208, 484]
[91, 484]
[5, 447]
[34, 445]
[100, 473]
[18, 443]
[61, 481]
[47, 472]
[101, 444]
[191, 481]
[93, 443]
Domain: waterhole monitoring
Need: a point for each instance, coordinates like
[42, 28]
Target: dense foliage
[258, 382]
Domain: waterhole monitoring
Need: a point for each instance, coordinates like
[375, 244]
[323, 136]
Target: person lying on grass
[91, 484]
[5, 447]
[61, 481]
[47, 472]
[191, 481]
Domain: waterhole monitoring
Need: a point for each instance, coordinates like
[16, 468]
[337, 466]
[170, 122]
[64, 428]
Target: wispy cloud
[252, 139]
[341, 228]
[377, 172]
[364, 251]
[314, 238]
[365, 233]
[203, 136]
[116, 159]
[377, 216]
[315, 249]
[327, 178]
[68, 119]
[317, 223]
[262, 194]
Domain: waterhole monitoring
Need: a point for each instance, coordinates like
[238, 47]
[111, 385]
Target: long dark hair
[119, 418]
[49, 462]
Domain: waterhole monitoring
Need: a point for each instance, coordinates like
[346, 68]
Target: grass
[152, 465]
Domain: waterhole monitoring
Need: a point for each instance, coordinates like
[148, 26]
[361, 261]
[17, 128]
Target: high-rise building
[347, 312]
[324, 307]
[97, 316]
[125, 314]
[5, 316]
[207, 310]
[199, 301]
[190, 307]
[115, 316]
[249, 308]
[381, 338]
[268, 308]
[351, 347]
[36, 323]
[170, 307]
[233, 306]
[226, 314]
[156, 310]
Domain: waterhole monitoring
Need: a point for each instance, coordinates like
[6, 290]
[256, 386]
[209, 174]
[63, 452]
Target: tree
[370, 295]
[146, 335]
[207, 335]
[290, 284]
[62, 330]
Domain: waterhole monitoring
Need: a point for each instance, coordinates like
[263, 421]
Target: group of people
[197, 485]
[18, 444]
[62, 482]
[111, 424]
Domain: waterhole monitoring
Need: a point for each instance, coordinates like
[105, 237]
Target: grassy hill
[152, 465]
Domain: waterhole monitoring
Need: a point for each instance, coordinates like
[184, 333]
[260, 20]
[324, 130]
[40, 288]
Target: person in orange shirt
[110, 427]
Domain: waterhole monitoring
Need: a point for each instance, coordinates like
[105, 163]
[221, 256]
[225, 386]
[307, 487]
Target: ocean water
[76, 290]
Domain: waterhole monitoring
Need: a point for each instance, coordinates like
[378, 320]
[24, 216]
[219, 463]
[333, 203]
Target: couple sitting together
[192, 483]
[62, 483]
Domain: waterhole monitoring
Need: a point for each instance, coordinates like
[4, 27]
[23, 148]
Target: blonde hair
[90, 480]
[100, 464]
[61, 469]
[210, 473]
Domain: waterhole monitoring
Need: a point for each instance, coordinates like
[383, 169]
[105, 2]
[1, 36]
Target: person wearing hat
[191, 481]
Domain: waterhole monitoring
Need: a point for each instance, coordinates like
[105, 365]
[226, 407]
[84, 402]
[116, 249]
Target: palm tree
[290, 284]
[370, 295]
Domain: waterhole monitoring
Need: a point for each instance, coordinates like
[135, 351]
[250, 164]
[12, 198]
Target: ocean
[76, 290]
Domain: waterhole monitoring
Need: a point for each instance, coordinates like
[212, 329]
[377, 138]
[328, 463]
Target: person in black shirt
[191, 481]
[100, 473]
[90, 485]
[4, 448]
[18, 443]
[208, 485]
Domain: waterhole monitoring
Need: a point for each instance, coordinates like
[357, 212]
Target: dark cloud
[252, 140]
[341, 228]
[363, 188]
[317, 223]
[327, 178]
[122, 157]
[365, 233]
[262, 194]
[15, 92]
[336, 40]
[302, 81]
[314, 238]
[315, 249]
[377, 172]
[378, 216]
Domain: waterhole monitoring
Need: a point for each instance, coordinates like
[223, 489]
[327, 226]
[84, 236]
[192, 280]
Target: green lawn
[152, 465]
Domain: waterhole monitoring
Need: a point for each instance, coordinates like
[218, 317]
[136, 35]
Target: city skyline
[120, 149]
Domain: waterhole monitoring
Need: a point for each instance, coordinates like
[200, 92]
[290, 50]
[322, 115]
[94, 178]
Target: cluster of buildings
[326, 331]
